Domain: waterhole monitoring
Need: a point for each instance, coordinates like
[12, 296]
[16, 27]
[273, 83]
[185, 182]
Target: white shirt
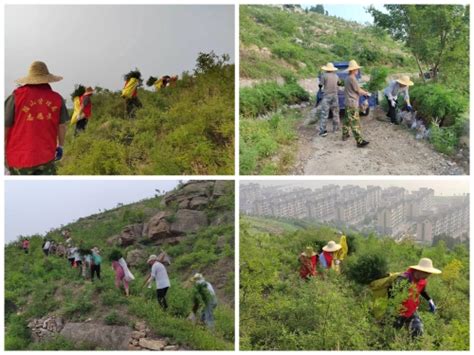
[393, 89]
[159, 274]
[47, 245]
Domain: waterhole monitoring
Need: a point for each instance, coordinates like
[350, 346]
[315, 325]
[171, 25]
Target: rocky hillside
[275, 42]
[49, 306]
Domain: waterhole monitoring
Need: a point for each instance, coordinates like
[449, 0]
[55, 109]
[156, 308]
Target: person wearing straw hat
[203, 293]
[35, 124]
[327, 259]
[414, 281]
[85, 112]
[330, 100]
[160, 275]
[391, 92]
[308, 261]
[352, 91]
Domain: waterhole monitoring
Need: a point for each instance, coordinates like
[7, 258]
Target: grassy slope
[187, 129]
[279, 311]
[324, 38]
[40, 286]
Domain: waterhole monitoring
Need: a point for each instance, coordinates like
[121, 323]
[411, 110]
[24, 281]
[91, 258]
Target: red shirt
[32, 139]
[305, 270]
[88, 108]
[328, 256]
[410, 305]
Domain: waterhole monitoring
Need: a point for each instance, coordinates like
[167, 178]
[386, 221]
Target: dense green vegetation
[301, 43]
[36, 285]
[186, 129]
[279, 311]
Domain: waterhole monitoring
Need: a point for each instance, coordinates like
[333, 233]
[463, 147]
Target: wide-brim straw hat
[89, 90]
[329, 67]
[332, 246]
[197, 277]
[38, 73]
[96, 250]
[308, 251]
[405, 80]
[152, 257]
[426, 265]
[353, 65]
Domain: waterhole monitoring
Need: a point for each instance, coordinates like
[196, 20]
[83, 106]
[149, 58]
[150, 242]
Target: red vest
[32, 139]
[304, 271]
[328, 256]
[87, 109]
[410, 305]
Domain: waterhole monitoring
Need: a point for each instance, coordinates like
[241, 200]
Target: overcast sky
[445, 188]
[356, 13]
[37, 206]
[97, 44]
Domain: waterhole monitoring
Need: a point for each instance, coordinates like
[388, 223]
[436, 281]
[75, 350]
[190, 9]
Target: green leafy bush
[113, 318]
[378, 77]
[367, 268]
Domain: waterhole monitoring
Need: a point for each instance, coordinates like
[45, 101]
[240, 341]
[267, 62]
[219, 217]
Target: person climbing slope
[160, 275]
[35, 124]
[46, 246]
[130, 92]
[414, 282]
[85, 111]
[203, 293]
[327, 259]
[26, 245]
[308, 261]
[122, 273]
[95, 265]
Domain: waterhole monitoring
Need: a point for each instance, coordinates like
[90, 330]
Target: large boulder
[101, 336]
[221, 187]
[158, 227]
[189, 221]
[223, 218]
[130, 235]
[188, 192]
[197, 203]
[136, 257]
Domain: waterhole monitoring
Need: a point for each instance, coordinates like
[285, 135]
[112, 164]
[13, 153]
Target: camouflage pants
[44, 169]
[329, 102]
[413, 323]
[351, 123]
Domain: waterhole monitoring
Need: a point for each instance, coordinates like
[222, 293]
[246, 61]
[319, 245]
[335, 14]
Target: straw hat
[405, 80]
[353, 65]
[332, 246]
[152, 257]
[96, 250]
[329, 67]
[197, 277]
[38, 74]
[89, 90]
[308, 251]
[426, 265]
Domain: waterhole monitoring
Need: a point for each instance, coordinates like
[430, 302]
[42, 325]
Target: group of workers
[352, 94]
[412, 282]
[36, 118]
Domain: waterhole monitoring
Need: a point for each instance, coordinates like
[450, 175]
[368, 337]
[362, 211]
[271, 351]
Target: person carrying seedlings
[85, 111]
[391, 92]
[330, 100]
[203, 293]
[46, 246]
[308, 261]
[352, 91]
[122, 273]
[79, 90]
[328, 259]
[35, 124]
[160, 275]
[130, 92]
[26, 245]
[414, 282]
[95, 265]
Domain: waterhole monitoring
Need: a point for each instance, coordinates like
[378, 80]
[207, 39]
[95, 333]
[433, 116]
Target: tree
[318, 9]
[206, 62]
[437, 35]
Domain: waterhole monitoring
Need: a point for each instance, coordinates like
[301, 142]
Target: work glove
[393, 103]
[59, 153]
[432, 306]
[410, 108]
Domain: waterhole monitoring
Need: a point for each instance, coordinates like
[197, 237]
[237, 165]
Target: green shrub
[17, 334]
[113, 318]
[378, 77]
[367, 268]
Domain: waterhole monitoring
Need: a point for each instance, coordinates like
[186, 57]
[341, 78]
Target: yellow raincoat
[77, 108]
[129, 88]
[342, 253]
[158, 84]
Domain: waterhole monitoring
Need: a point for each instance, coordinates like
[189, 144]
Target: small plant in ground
[113, 318]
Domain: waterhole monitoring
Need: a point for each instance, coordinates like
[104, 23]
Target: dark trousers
[81, 126]
[26, 250]
[161, 295]
[392, 112]
[46, 252]
[95, 269]
[132, 105]
[414, 324]
[71, 260]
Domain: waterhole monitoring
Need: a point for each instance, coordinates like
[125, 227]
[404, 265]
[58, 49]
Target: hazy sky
[441, 187]
[356, 13]
[37, 206]
[97, 44]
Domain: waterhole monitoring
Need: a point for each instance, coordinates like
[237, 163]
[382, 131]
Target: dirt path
[393, 150]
